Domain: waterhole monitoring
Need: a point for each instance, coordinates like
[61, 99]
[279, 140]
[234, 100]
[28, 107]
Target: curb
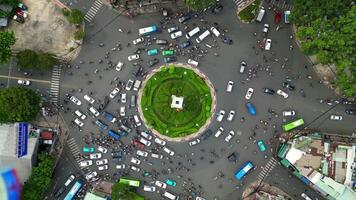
[213, 107]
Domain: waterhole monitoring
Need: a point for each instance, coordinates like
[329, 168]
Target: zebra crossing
[76, 154]
[281, 4]
[240, 3]
[55, 80]
[89, 16]
[267, 169]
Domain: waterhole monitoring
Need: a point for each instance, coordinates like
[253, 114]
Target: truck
[109, 117]
[114, 135]
[260, 15]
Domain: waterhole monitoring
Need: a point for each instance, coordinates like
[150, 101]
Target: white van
[170, 195]
[137, 120]
[202, 36]
[215, 31]
[192, 32]
[137, 85]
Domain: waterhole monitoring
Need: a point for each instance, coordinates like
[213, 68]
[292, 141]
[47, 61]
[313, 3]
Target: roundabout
[177, 102]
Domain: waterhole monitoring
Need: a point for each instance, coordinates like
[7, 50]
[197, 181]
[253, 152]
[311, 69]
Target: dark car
[226, 40]
[217, 9]
[138, 72]
[118, 155]
[184, 18]
[169, 59]
[153, 62]
[161, 42]
[268, 91]
[350, 111]
[233, 157]
[101, 124]
[206, 134]
[105, 103]
[59, 191]
[288, 85]
[185, 44]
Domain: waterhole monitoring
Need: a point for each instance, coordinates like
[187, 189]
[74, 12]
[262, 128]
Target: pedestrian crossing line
[89, 16]
[55, 84]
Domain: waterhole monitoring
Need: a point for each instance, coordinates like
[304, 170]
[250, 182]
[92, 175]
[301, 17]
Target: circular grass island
[176, 101]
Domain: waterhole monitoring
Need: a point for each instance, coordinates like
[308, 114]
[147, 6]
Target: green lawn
[248, 14]
[156, 101]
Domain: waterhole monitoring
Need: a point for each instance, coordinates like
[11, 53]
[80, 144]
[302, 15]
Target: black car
[217, 9]
[161, 42]
[184, 18]
[153, 62]
[233, 157]
[350, 111]
[226, 40]
[138, 72]
[288, 85]
[59, 191]
[118, 155]
[169, 59]
[185, 44]
[206, 134]
[268, 91]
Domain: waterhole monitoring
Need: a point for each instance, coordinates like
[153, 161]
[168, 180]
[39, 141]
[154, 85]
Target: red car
[20, 13]
[138, 144]
[277, 17]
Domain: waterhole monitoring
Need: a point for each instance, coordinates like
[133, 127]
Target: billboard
[22, 139]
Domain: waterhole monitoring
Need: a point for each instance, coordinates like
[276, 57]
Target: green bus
[134, 183]
[293, 125]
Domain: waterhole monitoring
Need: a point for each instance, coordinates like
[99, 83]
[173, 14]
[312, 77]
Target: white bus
[203, 36]
[192, 32]
[147, 30]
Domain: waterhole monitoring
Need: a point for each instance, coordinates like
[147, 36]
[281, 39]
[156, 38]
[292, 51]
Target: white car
[122, 166]
[160, 184]
[69, 180]
[123, 97]
[268, 44]
[95, 156]
[265, 28]
[80, 114]
[193, 62]
[229, 86]
[215, 31]
[134, 168]
[78, 122]
[249, 93]
[103, 167]
[133, 57]
[102, 149]
[89, 99]
[119, 66]
[138, 40]
[220, 116]
[146, 135]
[160, 141]
[75, 100]
[231, 134]
[129, 85]
[145, 142]
[176, 34]
[91, 175]
[231, 115]
[23, 82]
[282, 93]
[288, 113]
[169, 151]
[242, 67]
[114, 93]
[156, 155]
[149, 188]
[135, 161]
[85, 163]
[336, 117]
[102, 162]
[219, 131]
[94, 111]
[122, 111]
[172, 29]
[141, 153]
[194, 142]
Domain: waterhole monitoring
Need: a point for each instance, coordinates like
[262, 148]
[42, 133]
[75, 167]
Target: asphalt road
[220, 70]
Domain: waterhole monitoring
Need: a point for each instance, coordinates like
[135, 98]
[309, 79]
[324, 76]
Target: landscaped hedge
[156, 101]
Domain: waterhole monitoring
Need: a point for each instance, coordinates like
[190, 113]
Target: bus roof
[245, 168]
[134, 183]
[292, 125]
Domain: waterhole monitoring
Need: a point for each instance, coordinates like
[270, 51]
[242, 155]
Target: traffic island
[247, 13]
[177, 102]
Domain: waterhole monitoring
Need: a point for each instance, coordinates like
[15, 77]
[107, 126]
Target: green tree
[79, 35]
[7, 39]
[120, 191]
[198, 4]
[46, 61]
[18, 104]
[27, 59]
[76, 17]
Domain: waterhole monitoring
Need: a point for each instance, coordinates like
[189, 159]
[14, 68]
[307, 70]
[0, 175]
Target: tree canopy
[124, 192]
[7, 39]
[76, 16]
[327, 29]
[32, 60]
[198, 4]
[18, 104]
[40, 179]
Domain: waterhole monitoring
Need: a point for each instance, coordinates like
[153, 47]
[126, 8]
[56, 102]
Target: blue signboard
[22, 139]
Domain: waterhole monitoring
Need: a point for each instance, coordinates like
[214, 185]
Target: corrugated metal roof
[91, 196]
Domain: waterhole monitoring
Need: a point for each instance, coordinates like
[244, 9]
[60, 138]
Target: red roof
[46, 135]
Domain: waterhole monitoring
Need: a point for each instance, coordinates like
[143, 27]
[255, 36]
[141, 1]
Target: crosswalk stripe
[93, 10]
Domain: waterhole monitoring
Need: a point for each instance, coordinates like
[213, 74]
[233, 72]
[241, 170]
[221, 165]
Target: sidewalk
[264, 191]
